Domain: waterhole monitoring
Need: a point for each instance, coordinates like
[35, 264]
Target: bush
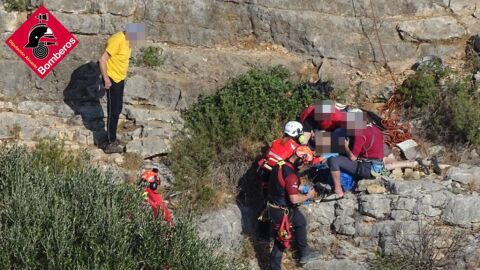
[226, 127]
[472, 62]
[427, 249]
[459, 112]
[419, 90]
[57, 212]
[150, 57]
[14, 5]
[450, 111]
[423, 87]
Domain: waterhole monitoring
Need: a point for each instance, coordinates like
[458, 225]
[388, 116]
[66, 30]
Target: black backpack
[85, 84]
[375, 119]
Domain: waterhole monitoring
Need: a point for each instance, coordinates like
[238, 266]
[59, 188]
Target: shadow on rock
[83, 94]
[251, 202]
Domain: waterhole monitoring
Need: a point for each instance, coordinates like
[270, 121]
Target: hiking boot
[309, 256]
[322, 189]
[113, 147]
[436, 168]
[103, 145]
[422, 166]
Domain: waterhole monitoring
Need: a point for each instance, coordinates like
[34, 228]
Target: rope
[396, 131]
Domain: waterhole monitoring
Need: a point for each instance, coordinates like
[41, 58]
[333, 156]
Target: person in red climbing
[365, 158]
[280, 149]
[284, 198]
[151, 195]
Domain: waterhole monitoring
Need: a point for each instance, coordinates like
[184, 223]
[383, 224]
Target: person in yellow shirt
[114, 66]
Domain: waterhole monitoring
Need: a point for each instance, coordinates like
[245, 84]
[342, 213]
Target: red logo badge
[42, 42]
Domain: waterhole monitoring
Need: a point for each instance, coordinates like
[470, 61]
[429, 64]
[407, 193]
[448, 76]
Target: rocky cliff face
[206, 42]
[383, 216]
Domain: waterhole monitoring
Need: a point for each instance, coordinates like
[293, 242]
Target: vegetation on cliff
[58, 212]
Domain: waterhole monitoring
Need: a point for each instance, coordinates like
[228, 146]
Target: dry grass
[132, 161]
[127, 126]
[429, 248]
[16, 132]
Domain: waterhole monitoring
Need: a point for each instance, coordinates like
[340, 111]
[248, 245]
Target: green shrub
[423, 87]
[450, 111]
[472, 58]
[248, 111]
[419, 90]
[150, 56]
[14, 5]
[57, 212]
[458, 114]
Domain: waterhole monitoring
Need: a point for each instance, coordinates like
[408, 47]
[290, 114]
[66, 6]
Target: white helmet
[293, 129]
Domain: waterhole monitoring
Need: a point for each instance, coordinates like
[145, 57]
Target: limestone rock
[401, 215]
[412, 187]
[147, 147]
[59, 5]
[53, 109]
[79, 23]
[166, 175]
[137, 88]
[431, 29]
[89, 48]
[367, 90]
[10, 21]
[375, 205]
[136, 134]
[224, 225]
[347, 206]
[364, 184]
[463, 176]
[336, 265]
[111, 24]
[376, 189]
[424, 207]
[344, 225]
[404, 203]
[351, 252]
[322, 213]
[462, 211]
[335, 72]
[142, 115]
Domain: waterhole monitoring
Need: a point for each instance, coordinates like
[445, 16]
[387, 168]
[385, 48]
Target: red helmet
[152, 178]
[304, 153]
[149, 176]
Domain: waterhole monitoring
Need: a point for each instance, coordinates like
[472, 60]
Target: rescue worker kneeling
[284, 198]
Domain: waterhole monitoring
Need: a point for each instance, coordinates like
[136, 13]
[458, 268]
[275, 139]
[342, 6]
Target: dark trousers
[342, 163]
[299, 223]
[264, 226]
[114, 108]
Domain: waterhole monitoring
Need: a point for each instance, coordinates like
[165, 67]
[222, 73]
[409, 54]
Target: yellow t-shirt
[119, 50]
